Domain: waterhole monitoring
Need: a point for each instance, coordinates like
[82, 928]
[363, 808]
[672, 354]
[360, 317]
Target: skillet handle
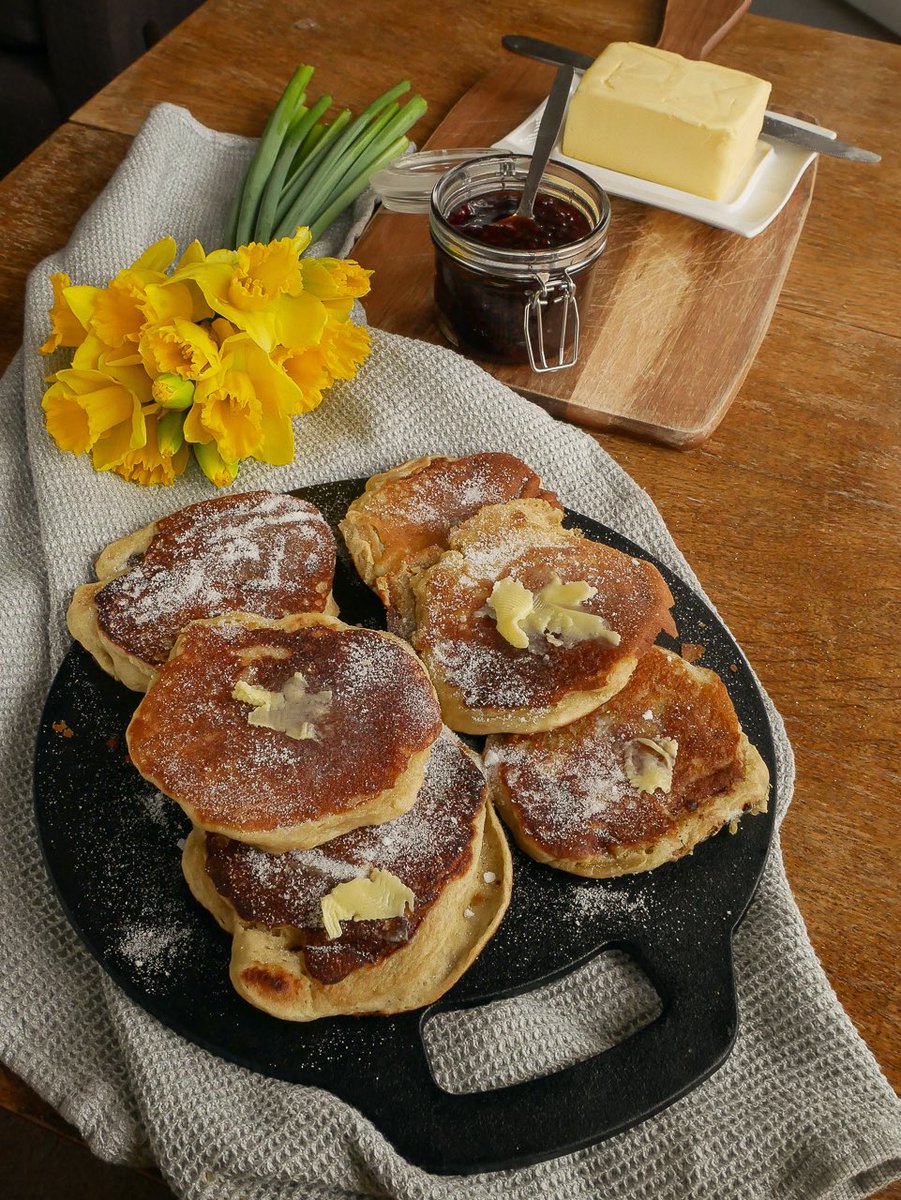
[694, 27]
[579, 1105]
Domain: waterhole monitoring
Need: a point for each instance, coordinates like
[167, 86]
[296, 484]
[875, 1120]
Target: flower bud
[169, 433]
[171, 391]
[213, 465]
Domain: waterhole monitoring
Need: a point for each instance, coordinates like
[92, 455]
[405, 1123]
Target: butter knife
[811, 137]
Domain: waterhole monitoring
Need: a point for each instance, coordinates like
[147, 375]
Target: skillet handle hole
[518, 1038]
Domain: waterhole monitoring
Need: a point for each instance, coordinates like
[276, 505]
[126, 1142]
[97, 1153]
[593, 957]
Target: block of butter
[647, 112]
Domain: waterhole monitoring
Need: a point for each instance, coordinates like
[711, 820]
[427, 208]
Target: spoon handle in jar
[548, 129]
[693, 29]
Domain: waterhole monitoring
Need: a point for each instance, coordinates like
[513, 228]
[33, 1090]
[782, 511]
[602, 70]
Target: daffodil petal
[166, 301]
[112, 448]
[300, 321]
[66, 421]
[193, 253]
[157, 257]
[82, 300]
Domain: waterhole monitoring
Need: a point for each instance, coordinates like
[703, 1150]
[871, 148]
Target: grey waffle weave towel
[799, 1110]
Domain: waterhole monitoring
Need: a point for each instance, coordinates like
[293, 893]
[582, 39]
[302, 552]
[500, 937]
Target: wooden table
[789, 514]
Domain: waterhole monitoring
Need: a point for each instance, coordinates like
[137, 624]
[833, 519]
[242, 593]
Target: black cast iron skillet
[111, 845]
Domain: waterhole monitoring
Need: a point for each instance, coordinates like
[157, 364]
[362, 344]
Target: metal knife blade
[799, 135]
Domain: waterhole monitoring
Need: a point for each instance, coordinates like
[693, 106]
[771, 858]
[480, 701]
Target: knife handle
[694, 27]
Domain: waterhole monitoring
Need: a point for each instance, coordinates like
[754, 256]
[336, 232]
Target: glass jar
[514, 305]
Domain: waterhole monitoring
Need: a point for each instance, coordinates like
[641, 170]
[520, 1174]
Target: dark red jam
[489, 218]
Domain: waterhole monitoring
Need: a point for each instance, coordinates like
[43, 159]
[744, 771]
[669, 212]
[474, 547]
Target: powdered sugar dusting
[419, 847]
[152, 951]
[264, 553]
[192, 737]
[448, 491]
[564, 795]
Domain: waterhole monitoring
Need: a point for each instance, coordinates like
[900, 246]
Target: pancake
[258, 552]
[487, 685]
[567, 796]
[355, 729]
[401, 523]
[448, 849]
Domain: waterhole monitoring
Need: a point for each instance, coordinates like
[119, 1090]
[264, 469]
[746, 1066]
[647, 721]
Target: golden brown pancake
[487, 685]
[401, 522]
[457, 865]
[258, 552]
[567, 796]
[367, 715]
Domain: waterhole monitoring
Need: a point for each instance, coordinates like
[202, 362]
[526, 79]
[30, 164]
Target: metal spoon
[551, 120]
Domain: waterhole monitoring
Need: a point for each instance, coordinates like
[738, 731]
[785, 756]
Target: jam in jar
[506, 286]
[491, 218]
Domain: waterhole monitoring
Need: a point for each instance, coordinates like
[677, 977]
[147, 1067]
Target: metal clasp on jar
[546, 293]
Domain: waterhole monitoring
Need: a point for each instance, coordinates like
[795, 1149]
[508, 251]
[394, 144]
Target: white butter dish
[759, 194]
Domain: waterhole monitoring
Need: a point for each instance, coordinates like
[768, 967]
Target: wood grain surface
[671, 319]
[789, 513]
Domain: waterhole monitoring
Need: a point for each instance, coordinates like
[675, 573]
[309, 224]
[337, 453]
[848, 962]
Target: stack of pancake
[606, 754]
[341, 833]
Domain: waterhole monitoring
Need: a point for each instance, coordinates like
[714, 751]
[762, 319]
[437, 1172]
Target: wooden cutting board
[677, 309]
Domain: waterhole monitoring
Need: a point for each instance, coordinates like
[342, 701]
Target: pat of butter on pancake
[381, 895]
[293, 711]
[553, 612]
[658, 116]
[649, 763]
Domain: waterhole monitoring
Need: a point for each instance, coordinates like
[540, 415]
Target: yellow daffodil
[329, 278]
[338, 354]
[213, 465]
[65, 327]
[263, 273]
[123, 368]
[215, 357]
[245, 405]
[259, 289]
[116, 313]
[153, 462]
[308, 370]
[89, 410]
[178, 347]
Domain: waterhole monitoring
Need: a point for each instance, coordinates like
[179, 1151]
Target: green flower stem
[277, 127]
[312, 141]
[356, 188]
[319, 186]
[298, 180]
[274, 184]
[306, 172]
[388, 134]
